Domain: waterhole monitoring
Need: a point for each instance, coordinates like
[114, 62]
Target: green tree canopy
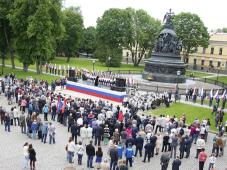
[88, 42]
[141, 34]
[73, 23]
[5, 29]
[192, 32]
[36, 25]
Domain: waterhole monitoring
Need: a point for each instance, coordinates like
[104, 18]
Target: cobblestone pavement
[53, 157]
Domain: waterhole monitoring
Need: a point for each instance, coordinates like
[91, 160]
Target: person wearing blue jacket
[45, 111]
[34, 127]
[129, 154]
[120, 150]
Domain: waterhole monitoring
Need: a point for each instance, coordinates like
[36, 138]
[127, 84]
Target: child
[212, 160]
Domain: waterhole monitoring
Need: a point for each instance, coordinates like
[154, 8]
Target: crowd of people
[95, 125]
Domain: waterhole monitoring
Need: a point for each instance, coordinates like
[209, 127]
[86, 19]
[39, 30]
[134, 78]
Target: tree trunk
[38, 65]
[68, 59]
[12, 58]
[9, 47]
[25, 67]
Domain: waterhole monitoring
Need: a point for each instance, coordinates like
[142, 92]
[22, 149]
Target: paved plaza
[53, 157]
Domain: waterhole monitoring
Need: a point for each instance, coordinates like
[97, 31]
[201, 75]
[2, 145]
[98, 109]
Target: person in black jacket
[113, 157]
[148, 150]
[176, 164]
[32, 156]
[139, 145]
[90, 150]
[165, 142]
[153, 140]
[74, 131]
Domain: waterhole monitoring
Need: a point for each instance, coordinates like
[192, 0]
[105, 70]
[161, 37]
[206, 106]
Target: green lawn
[197, 74]
[82, 63]
[206, 102]
[221, 79]
[190, 111]
[22, 74]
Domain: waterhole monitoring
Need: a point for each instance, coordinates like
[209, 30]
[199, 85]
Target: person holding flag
[202, 95]
[194, 95]
[216, 96]
[223, 99]
[211, 97]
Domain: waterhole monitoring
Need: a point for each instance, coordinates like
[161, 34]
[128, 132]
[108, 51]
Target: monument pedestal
[163, 67]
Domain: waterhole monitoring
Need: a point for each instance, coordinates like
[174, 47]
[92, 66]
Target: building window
[195, 61]
[220, 51]
[212, 50]
[211, 63]
[219, 64]
[204, 50]
[202, 62]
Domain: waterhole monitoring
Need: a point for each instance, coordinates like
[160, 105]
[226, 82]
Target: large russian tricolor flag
[96, 91]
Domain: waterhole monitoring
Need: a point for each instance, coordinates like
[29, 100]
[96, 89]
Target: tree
[6, 29]
[36, 25]
[73, 23]
[40, 32]
[192, 32]
[110, 32]
[141, 34]
[88, 42]
[19, 20]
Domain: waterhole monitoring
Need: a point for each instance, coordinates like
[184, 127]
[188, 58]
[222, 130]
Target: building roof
[218, 37]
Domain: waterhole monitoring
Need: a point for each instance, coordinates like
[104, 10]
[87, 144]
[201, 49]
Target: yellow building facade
[212, 57]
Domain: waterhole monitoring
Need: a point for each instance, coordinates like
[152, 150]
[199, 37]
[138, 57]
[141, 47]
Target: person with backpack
[129, 154]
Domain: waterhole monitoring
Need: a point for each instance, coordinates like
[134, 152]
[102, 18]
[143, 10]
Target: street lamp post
[93, 62]
[109, 58]
[177, 88]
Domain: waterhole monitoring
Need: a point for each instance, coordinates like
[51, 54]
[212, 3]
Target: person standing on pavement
[26, 156]
[80, 152]
[22, 123]
[113, 152]
[45, 111]
[7, 122]
[52, 133]
[70, 121]
[32, 156]
[34, 128]
[202, 158]
[148, 150]
[74, 131]
[90, 150]
[176, 164]
[139, 145]
[44, 132]
[212, 160]
[165, 161]
[99, 155]
[200, 144]
[83, 134]
[71, 147]
[173, 146]
[129, 154]
[97, 131]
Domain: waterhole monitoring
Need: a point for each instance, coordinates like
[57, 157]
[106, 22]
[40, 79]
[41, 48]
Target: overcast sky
[212, 12]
